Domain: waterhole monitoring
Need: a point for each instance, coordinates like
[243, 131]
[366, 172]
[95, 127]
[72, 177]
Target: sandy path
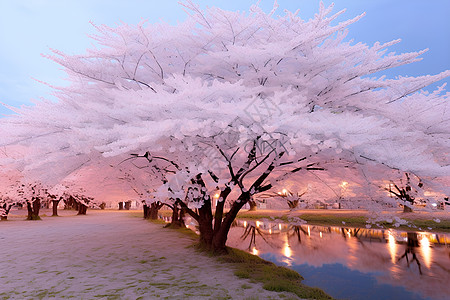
[110, 255]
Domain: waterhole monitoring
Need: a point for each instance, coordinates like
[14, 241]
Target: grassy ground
[258, 270]
[273, 278]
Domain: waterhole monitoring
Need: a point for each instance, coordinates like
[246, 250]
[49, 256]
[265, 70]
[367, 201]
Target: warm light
[279, 226]
[287, 250]
[284, 192]
[320, 234]
[343, 184]
[392, 246]
[254, 251]
[245, 223]
[348, 233]
[270, 231]
[426, 251]
[389, 187]
[309, 231]
[258, 223]
[217, 195]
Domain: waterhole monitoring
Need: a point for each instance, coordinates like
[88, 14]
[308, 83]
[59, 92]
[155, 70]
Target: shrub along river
[353, 263]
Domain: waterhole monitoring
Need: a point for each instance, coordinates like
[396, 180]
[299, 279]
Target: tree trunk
[33, 209]
[154, 209]
[120, 205]
[206, 231]
[82, 209]
[146, 211]
[6, 209]
[55, 208]
[177, 217]
[220, 238]
[181, 218]
[127, 205]
[253, 205]
[407, 209]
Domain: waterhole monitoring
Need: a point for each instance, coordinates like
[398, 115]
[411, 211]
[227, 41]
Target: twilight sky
[31, 27]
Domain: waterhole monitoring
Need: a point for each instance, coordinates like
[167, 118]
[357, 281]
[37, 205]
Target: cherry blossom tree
[30, 194]
[6, 203]
[8, 194]
[56, 194]
[292, 199]
[240, 102]
[405, 191]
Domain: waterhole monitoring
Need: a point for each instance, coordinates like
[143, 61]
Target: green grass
[443, 226]
[273, 277]
[157, 221]
[243, 215]
[256, 269]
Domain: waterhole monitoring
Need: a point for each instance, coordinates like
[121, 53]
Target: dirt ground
[110, 255]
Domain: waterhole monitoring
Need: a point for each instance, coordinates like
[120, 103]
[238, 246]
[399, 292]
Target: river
[353, 263]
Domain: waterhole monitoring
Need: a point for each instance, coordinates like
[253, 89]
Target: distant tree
[56, 194]
[291, 198]
[5, 206]
[32, 194]
[405, 191]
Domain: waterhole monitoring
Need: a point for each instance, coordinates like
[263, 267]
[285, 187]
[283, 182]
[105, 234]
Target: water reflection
[392, 245]
[416, 261]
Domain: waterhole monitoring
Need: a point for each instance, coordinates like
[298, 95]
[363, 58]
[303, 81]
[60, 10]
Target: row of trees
[34, 195]
[235, 104]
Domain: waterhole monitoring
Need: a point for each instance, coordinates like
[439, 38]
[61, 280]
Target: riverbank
[426, 221]
[112, 255]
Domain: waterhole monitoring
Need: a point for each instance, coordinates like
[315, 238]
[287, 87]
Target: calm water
[354, 263]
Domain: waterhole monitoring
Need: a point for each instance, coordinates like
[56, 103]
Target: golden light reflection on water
[287, 252]
[425, 248]
[392, 246]
[286, 248]
[389, 253]
[353, 247]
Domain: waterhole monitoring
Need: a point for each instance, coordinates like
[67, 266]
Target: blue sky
[30, 27]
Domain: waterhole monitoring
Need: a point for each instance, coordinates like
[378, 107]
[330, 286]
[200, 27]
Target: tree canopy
[239, 102]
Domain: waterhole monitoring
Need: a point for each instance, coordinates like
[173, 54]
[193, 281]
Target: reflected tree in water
[411, 245]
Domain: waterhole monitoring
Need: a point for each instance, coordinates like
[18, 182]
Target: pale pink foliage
[181, 90]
